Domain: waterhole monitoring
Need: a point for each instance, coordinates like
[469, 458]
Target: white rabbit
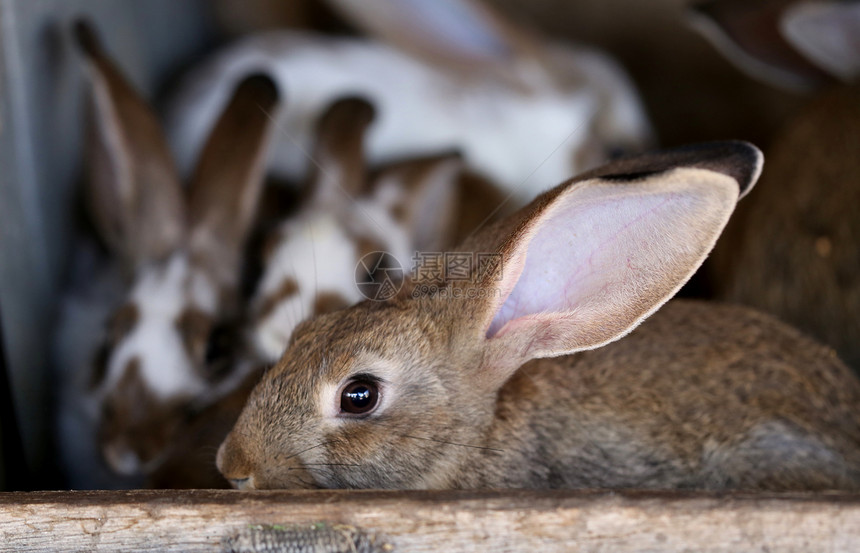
[524, 112]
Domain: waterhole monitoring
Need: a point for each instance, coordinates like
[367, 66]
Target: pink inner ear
[595, 251]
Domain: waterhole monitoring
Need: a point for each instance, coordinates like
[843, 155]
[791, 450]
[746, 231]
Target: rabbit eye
[359, 397]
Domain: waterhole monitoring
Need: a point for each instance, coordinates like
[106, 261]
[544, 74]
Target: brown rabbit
[792, 250]
[473, 383]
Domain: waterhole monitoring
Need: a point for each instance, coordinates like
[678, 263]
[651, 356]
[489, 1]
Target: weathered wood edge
[510, 520]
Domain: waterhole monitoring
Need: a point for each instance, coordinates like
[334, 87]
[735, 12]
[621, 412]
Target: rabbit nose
[231, 463]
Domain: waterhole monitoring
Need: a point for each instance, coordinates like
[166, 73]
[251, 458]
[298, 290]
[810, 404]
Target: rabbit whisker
[330, 465]
[312, 485]
[485, 448]
[321, 444]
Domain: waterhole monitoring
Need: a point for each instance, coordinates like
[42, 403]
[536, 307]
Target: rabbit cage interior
[689, 92]
[43, 105]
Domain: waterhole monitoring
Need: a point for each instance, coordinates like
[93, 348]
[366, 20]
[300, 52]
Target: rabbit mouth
[243, 483]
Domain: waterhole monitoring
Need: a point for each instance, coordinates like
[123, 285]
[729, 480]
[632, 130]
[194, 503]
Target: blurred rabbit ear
[133, 188]
[748, 33]
[340, 171]
[462, 34]
[228, 179]
[422, 195]
[586, 262]
[828, 34]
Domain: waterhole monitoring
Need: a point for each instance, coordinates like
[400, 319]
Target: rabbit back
[525, 138]
[737, 400]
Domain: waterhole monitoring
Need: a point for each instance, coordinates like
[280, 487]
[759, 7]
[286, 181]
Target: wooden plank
[545, 521]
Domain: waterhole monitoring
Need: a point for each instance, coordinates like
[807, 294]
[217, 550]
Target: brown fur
[120, 324]
[658, 409]
[329, 302]
[136, 198]
[700, 396]
[194, 326]
[240, 17]
[414, 175]
[134, 192]
[366, 246]
[133, 419]
[189, 462]
[221, 204]
[793, 249]
[288, 288]
[474, 201]
[340, 145]
[147, 221]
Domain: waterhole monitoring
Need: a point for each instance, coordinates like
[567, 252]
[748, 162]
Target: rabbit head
[401, 393]
[350, 219]
[179, 251]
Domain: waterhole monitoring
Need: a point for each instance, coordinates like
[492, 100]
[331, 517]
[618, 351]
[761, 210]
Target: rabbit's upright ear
[339, 166]
[133, 187]
[463, 34]
[589, 260]
[749, 34]
[828, 34]
[423, 197]
[228, 180]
